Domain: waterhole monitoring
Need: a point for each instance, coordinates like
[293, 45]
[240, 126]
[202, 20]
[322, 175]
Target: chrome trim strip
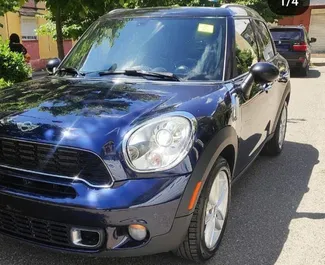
[55, 176]
[182, 114]
[61, 176]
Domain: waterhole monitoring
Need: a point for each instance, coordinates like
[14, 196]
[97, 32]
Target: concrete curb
[317, 61]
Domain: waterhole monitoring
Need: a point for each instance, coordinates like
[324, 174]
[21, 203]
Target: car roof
[228, 10]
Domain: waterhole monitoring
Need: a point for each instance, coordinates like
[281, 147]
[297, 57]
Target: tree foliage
[261, 6]
[78, 15]
[69, 19]
[9, 5]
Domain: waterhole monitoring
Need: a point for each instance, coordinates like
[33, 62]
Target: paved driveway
[278, 207]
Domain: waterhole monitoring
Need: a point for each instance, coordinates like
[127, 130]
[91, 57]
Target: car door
[254, 112]
[267, 53]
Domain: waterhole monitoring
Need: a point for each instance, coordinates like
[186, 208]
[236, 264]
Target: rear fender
[286, 93]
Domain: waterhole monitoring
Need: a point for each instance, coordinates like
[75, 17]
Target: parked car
[293, 43]
[131, 146]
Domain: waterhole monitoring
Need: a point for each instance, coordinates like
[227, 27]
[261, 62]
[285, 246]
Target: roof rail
[241, 10]
[118, 10]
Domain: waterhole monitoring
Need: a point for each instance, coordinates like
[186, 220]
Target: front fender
[225, 137]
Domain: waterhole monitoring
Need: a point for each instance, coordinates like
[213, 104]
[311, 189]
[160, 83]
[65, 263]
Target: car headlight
[161, 143]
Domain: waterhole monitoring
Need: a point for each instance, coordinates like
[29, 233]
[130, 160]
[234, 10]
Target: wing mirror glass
[52, 65]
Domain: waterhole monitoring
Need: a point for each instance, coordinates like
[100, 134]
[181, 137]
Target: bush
[4, 83]
[13, 68]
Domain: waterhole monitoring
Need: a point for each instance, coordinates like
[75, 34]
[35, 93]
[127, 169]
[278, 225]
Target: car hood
[86, 113]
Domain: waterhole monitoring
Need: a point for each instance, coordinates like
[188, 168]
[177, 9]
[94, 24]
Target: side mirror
[260, 73]
[52, 65]
[312, 40]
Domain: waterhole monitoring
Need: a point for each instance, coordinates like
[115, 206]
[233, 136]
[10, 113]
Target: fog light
[137, 232]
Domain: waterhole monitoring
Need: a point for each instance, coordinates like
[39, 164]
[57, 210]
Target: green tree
[261, 6]
[9, 5]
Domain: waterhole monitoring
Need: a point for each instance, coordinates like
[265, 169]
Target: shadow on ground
[318, 64]
[264, 202]
[313, 73]
[296, 120]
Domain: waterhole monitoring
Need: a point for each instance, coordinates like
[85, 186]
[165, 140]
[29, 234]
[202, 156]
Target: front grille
[34, 229]
[54, 160]
[35, 187]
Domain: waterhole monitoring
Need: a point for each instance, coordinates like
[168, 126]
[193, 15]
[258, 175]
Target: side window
[264, 40]
[246, 46]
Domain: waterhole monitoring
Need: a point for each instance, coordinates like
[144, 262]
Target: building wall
[2, 29]
[12, 24]
[303, 19]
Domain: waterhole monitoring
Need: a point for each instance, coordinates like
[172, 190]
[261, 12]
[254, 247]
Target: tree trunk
[59, 33]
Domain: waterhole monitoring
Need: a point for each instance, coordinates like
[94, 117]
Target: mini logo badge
[26, 126]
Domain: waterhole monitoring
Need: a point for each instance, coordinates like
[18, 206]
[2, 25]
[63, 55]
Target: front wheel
[275, 146]
[210, 216]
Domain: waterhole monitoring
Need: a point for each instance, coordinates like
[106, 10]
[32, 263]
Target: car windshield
[189, 48]
[286, 34]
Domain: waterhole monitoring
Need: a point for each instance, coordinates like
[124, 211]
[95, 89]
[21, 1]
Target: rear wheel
[275, 145]
[210, 216]
[304, 71]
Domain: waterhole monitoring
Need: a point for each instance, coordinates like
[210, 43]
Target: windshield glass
[191, 48]
[286, 34]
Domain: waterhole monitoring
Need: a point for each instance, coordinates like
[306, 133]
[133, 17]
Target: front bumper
[155, 207]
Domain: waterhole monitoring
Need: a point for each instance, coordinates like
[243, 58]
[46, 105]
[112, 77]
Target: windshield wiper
[70, 70]
[164, 75]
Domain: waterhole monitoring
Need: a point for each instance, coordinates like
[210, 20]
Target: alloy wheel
[283, 127]
[216, 209]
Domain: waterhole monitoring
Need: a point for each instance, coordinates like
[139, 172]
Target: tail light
[302, 47]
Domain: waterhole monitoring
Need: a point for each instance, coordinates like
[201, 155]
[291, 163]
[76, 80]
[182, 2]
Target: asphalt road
[278, 208]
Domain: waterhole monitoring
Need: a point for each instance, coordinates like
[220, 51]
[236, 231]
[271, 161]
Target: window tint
[286, 34]
[246, 46]
[264, 41]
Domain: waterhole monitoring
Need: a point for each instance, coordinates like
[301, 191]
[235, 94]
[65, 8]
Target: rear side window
[264, 40]
[246, 46]
[287, 34]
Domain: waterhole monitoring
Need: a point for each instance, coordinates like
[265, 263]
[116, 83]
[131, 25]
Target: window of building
[28, 28]
[246, 46]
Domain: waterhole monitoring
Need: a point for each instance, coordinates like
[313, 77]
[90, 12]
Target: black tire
[304, 71]
[194, 247]
[272, 147]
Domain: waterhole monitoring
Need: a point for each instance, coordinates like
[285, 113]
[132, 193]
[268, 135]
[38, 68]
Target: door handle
[284, 76]
[267, 87]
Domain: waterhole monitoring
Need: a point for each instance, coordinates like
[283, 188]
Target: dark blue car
[130, 147]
